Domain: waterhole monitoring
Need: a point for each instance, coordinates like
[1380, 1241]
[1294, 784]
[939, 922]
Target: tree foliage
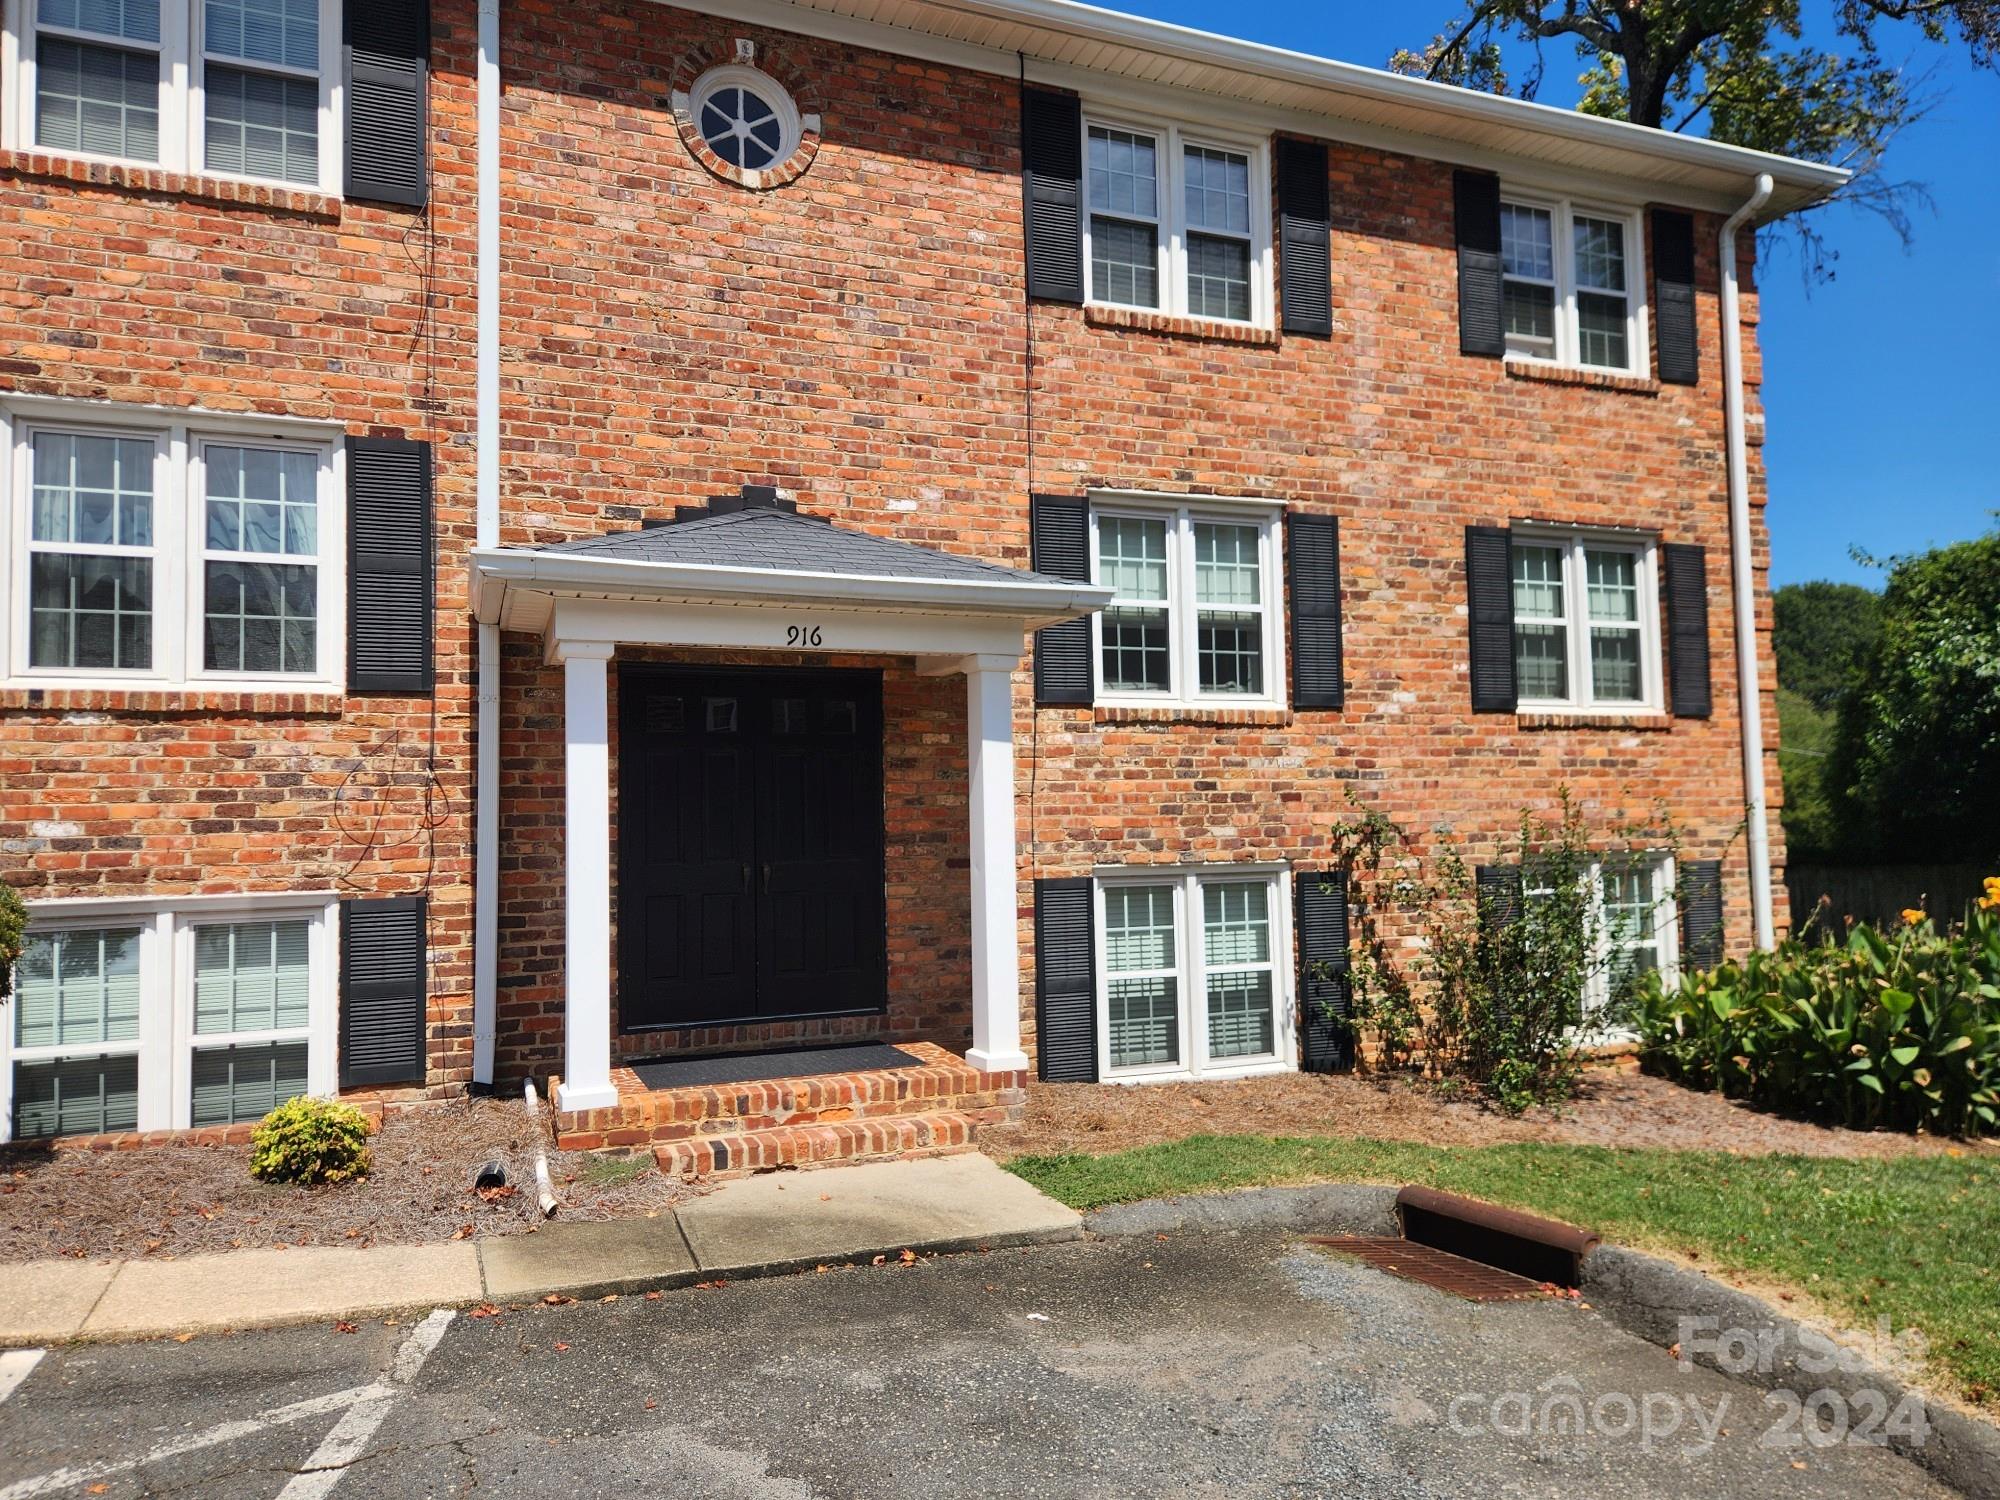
[1823, 635]
[1917, 753]
[1740, 71]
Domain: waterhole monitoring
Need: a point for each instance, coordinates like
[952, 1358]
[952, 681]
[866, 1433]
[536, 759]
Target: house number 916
[802, 635]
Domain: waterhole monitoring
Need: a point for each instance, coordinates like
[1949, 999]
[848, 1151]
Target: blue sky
[1879, 385]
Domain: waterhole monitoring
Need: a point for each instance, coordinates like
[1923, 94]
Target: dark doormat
[755, 1067]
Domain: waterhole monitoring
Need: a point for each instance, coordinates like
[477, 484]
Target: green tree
[1740, 71]
[1917, 752]
[1822, 634]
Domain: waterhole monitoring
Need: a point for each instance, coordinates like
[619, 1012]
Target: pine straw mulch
[165, 1201]
[1616, 1105]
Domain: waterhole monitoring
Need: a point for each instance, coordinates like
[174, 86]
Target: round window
[745, 117]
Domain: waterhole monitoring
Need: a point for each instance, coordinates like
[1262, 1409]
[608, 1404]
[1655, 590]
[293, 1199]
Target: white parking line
[350, 1435]
[14, 1367]
[363, 1407]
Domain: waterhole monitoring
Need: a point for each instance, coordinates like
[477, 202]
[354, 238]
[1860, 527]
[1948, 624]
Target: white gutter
[486, 734]
[1750, 703]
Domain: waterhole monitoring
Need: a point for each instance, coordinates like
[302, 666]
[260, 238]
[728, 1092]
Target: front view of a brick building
[541, 537]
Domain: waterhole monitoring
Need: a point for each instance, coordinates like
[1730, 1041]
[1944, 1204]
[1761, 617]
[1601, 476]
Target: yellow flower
[1991, 900]
[1912, 915]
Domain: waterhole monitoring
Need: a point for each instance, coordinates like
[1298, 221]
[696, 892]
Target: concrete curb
[1326, 1208]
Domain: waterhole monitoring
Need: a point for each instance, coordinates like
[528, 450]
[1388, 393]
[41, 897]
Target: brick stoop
[714, 1129]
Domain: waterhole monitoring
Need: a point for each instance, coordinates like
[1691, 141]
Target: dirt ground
[1616, 1106]
[182, 1200]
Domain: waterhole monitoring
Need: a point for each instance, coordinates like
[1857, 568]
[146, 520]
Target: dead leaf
[562, 1348]
[651, 1404]
[484, 1310]
[608, 1297]
[495, 1194]
[711, 1286]
[557, 1299]
[343, 1326]
[652, 1296]
[463, 1232]
[98, 1489]
[182, 1338]
[909, 1257]
[880, 1260]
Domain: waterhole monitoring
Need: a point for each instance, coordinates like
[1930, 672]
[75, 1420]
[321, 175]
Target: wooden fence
[1880, 893]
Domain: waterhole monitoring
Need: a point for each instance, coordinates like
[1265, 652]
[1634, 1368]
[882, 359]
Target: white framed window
[1177, 221]
[1198, 614]
[746, 116]
[1636, 918]
[1571, 284]
[230, 88]
[1194, 978]
[1586, 622]
[192, 1011]
[160, 551]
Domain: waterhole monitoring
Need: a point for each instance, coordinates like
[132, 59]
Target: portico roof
[757, 550]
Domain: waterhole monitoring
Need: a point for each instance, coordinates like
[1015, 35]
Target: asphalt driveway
[1213, 1364]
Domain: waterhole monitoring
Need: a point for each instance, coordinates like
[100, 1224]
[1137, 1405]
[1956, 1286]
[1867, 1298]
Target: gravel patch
[1616, 1105]
[186, 1200]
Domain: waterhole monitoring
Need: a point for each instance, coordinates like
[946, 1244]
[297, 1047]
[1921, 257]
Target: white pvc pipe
[545, 1193]
[486, 732]
[1750, 701]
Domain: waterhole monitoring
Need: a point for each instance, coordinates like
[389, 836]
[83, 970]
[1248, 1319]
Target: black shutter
[387, 54]
[1673, 296]
[389, 582]
[1326, 1008]
[1065, 982]
[1312, 553]
[1305, 258]
[1052, 193]
[1489, 598]
[382, 991]
[1701, 913]
[1476, 205]
[1687, 629]
[1059, 545]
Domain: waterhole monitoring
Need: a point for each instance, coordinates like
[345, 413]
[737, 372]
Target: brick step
[935, 1134]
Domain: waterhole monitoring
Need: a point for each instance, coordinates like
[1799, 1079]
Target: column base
[1015, 1061]
[571, 1098]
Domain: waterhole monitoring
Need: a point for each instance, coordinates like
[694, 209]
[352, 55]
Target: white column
[996, 951]
[586, 1080]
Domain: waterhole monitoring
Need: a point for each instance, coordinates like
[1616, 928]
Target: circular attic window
[745, 117]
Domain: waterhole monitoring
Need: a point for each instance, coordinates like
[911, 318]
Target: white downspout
[1749, 700]
[486, 741]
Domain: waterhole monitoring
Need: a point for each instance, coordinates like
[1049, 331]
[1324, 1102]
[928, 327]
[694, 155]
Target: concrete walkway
[757, 1226]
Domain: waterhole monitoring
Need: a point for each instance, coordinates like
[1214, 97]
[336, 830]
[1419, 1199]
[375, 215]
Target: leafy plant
[310, 1141]
[1895, 1030]
[13, 935]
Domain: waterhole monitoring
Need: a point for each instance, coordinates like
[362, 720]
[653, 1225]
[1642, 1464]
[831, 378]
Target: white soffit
[1074, 45]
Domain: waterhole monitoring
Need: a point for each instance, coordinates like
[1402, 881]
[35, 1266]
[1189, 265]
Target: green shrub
[1895, 1030]
[310, 1141]
[13, 934]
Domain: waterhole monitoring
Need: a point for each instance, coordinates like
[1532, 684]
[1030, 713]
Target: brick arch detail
[742, 52]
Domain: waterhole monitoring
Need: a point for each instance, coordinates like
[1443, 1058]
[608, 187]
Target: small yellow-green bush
[310, 1141]
[1895, 1030]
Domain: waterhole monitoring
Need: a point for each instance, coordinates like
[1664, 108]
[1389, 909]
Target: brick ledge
[1597, 380]
[1644, 723]
[159, 182]
[1140, 321]
[1245, 718]
[276, 705]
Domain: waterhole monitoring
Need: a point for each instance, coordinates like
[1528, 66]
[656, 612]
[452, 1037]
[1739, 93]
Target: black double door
[750, 873]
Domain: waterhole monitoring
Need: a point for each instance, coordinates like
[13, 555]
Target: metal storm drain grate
[1434, 1268]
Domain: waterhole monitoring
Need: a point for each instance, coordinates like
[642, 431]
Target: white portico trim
[758, 577]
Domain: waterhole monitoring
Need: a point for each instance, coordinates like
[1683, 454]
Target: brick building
[542, 537]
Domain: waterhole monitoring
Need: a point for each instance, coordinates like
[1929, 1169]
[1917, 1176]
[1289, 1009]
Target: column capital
[989, 661]
[562, 650]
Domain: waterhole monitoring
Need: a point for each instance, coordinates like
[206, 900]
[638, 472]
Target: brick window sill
[1643, 723]
[1596, 380]
[159, 183]
[1204, 329]
[1244, 718]
[276, 705]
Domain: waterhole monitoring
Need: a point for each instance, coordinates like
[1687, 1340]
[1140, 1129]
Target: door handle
[767, 880]
[746, 880]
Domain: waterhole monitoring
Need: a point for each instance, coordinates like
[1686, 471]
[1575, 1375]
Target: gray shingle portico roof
[756, 548]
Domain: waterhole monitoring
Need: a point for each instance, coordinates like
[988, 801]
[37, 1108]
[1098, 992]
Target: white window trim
[1574, 542]
[1171, 137]
[1181, 512]
[1562, 213]
[1191, 972]
[179, 544]
[183, 62]
[1666, 939]
[165, 1047]
[791, 124]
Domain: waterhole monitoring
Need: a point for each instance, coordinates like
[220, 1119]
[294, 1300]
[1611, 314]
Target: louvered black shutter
[1489, 591]
[1476, 204]
[387, 50]
[1305, 258]
[1065, 982]
[389, 566]
[1059, 543]
[1701, 913]
[1673, 296]
[1326, 1009]
[382, 991]
[1052, 193]
[1687, 629]
[1312, 553]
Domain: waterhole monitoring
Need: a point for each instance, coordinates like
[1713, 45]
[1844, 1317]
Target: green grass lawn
[1916, 1239]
